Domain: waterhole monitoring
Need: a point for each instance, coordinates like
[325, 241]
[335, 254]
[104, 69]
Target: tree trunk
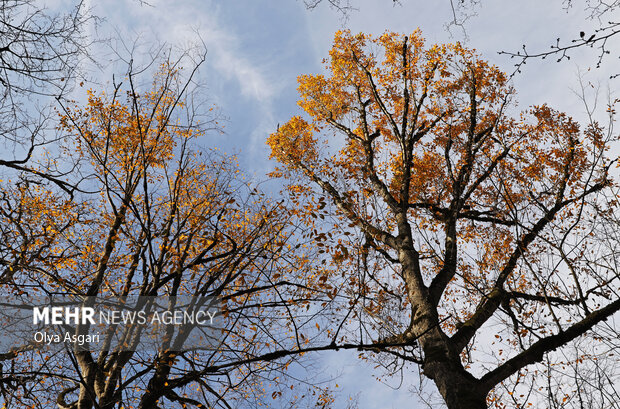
[459, 388]
[460, 391]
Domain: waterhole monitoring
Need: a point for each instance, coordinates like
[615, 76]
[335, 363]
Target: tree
[39, 51]
[157, 216]
[40, 56]
[453, 234]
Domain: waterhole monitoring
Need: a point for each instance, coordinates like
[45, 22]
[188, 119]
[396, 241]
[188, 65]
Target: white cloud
[228, 59]
[178, 23]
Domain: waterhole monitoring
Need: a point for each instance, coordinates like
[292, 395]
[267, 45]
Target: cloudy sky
[256, 50]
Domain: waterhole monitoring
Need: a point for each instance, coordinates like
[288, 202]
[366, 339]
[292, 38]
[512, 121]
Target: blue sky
[256, 50]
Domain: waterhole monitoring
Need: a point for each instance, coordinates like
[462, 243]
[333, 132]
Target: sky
[256, 50]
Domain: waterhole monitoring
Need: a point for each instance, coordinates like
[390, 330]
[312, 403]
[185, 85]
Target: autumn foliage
[426, 223]
[152, 212]
[461, 235]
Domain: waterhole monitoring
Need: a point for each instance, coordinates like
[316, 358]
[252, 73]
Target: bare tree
[40, 55]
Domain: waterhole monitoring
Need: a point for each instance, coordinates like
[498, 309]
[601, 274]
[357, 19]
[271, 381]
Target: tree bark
[459, 389]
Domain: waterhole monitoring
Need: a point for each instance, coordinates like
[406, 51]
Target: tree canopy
[40, 56]
[157, 214]
[425, 222]
[469, 238]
